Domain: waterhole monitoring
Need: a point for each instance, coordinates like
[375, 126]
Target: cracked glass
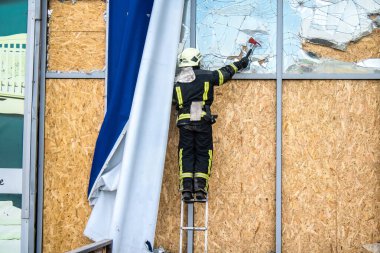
[224, 29]
[331, 36]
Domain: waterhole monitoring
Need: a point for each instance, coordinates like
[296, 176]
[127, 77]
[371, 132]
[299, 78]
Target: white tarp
[126, 209]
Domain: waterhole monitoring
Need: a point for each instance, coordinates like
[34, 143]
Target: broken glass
[224, 28]
[328, 23]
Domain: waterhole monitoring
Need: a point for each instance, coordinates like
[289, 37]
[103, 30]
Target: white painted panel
[11, 181]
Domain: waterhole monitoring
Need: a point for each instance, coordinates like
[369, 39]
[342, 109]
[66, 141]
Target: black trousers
[195, 152]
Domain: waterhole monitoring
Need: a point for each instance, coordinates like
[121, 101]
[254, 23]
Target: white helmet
[189, 57]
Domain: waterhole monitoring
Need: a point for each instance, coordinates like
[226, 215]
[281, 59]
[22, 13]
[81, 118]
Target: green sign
[14, 14]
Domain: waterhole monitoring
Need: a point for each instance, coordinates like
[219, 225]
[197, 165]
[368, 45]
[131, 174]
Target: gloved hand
[242, 64]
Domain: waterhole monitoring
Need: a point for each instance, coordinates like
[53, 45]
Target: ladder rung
[194, 228]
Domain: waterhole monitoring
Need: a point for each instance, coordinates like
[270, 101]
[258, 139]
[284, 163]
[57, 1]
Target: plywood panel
[74, 112]
[76, 51]
[243, 176]
[84, 15]
[331, 165]
[358, 189]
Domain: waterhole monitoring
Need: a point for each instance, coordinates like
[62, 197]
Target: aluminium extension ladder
[184, 228]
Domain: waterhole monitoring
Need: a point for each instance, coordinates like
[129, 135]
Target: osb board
[84, 15]
[76, 51]
[366, 47]
[74, 112]
[331, 165]
[242, 185]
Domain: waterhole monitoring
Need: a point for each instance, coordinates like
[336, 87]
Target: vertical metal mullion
[193, 23]
[279, 67]
[190, 206]
[27, 126]
[30, 127]
[41, 130]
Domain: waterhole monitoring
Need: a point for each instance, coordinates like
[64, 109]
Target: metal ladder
[190, 205]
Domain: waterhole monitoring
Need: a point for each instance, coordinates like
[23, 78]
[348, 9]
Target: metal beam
[328, 76]
[30, 127]
[41, 130]
[252, 76]
[279, 67]
[307, 76]
[76, 75]
[193, 23]
[190, 206]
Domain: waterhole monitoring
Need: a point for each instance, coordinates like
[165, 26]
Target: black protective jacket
[201, 90]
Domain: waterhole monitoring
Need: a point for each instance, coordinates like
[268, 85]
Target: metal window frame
[30, 131]
[41, 129]
[193, 42]
[279, 76]
[76, 75]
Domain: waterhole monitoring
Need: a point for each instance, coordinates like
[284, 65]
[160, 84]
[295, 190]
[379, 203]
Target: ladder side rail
[181, 228]
[206, 224]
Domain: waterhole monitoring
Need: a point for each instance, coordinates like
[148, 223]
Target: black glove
[242, 64]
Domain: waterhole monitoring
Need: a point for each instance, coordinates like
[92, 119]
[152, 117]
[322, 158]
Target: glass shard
[331, 24]
[225, 27]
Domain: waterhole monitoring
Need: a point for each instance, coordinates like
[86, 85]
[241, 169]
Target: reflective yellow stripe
[187, 116]
[180, 161]
[184, 116]
[221, 77]
[202, 175]
[186, 175]
[209, 161]
[205, 93]
[180, 169]
[205, 176]
[234, 67]
[179, 96]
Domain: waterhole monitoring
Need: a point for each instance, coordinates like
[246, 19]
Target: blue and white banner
[128, 163]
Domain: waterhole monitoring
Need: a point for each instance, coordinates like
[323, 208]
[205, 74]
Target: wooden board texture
[242, 184]
[331, 172]
[76, 51]
[83, 16]
[74, 112]
[76, 36]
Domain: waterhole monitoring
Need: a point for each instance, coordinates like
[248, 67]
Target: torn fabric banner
[127, 170]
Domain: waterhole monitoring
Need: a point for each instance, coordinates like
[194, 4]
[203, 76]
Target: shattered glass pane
[332, 24]
[224, 28]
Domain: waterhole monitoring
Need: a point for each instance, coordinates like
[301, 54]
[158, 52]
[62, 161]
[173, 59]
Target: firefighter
[193, 95]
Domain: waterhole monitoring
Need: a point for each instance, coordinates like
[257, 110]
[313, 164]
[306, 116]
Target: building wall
[331, 183]
[74, 113]
[331, 147]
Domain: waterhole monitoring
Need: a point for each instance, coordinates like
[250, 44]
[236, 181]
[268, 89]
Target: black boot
[187, 196]
[201, 195]
[200, 189]
[187, 190]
